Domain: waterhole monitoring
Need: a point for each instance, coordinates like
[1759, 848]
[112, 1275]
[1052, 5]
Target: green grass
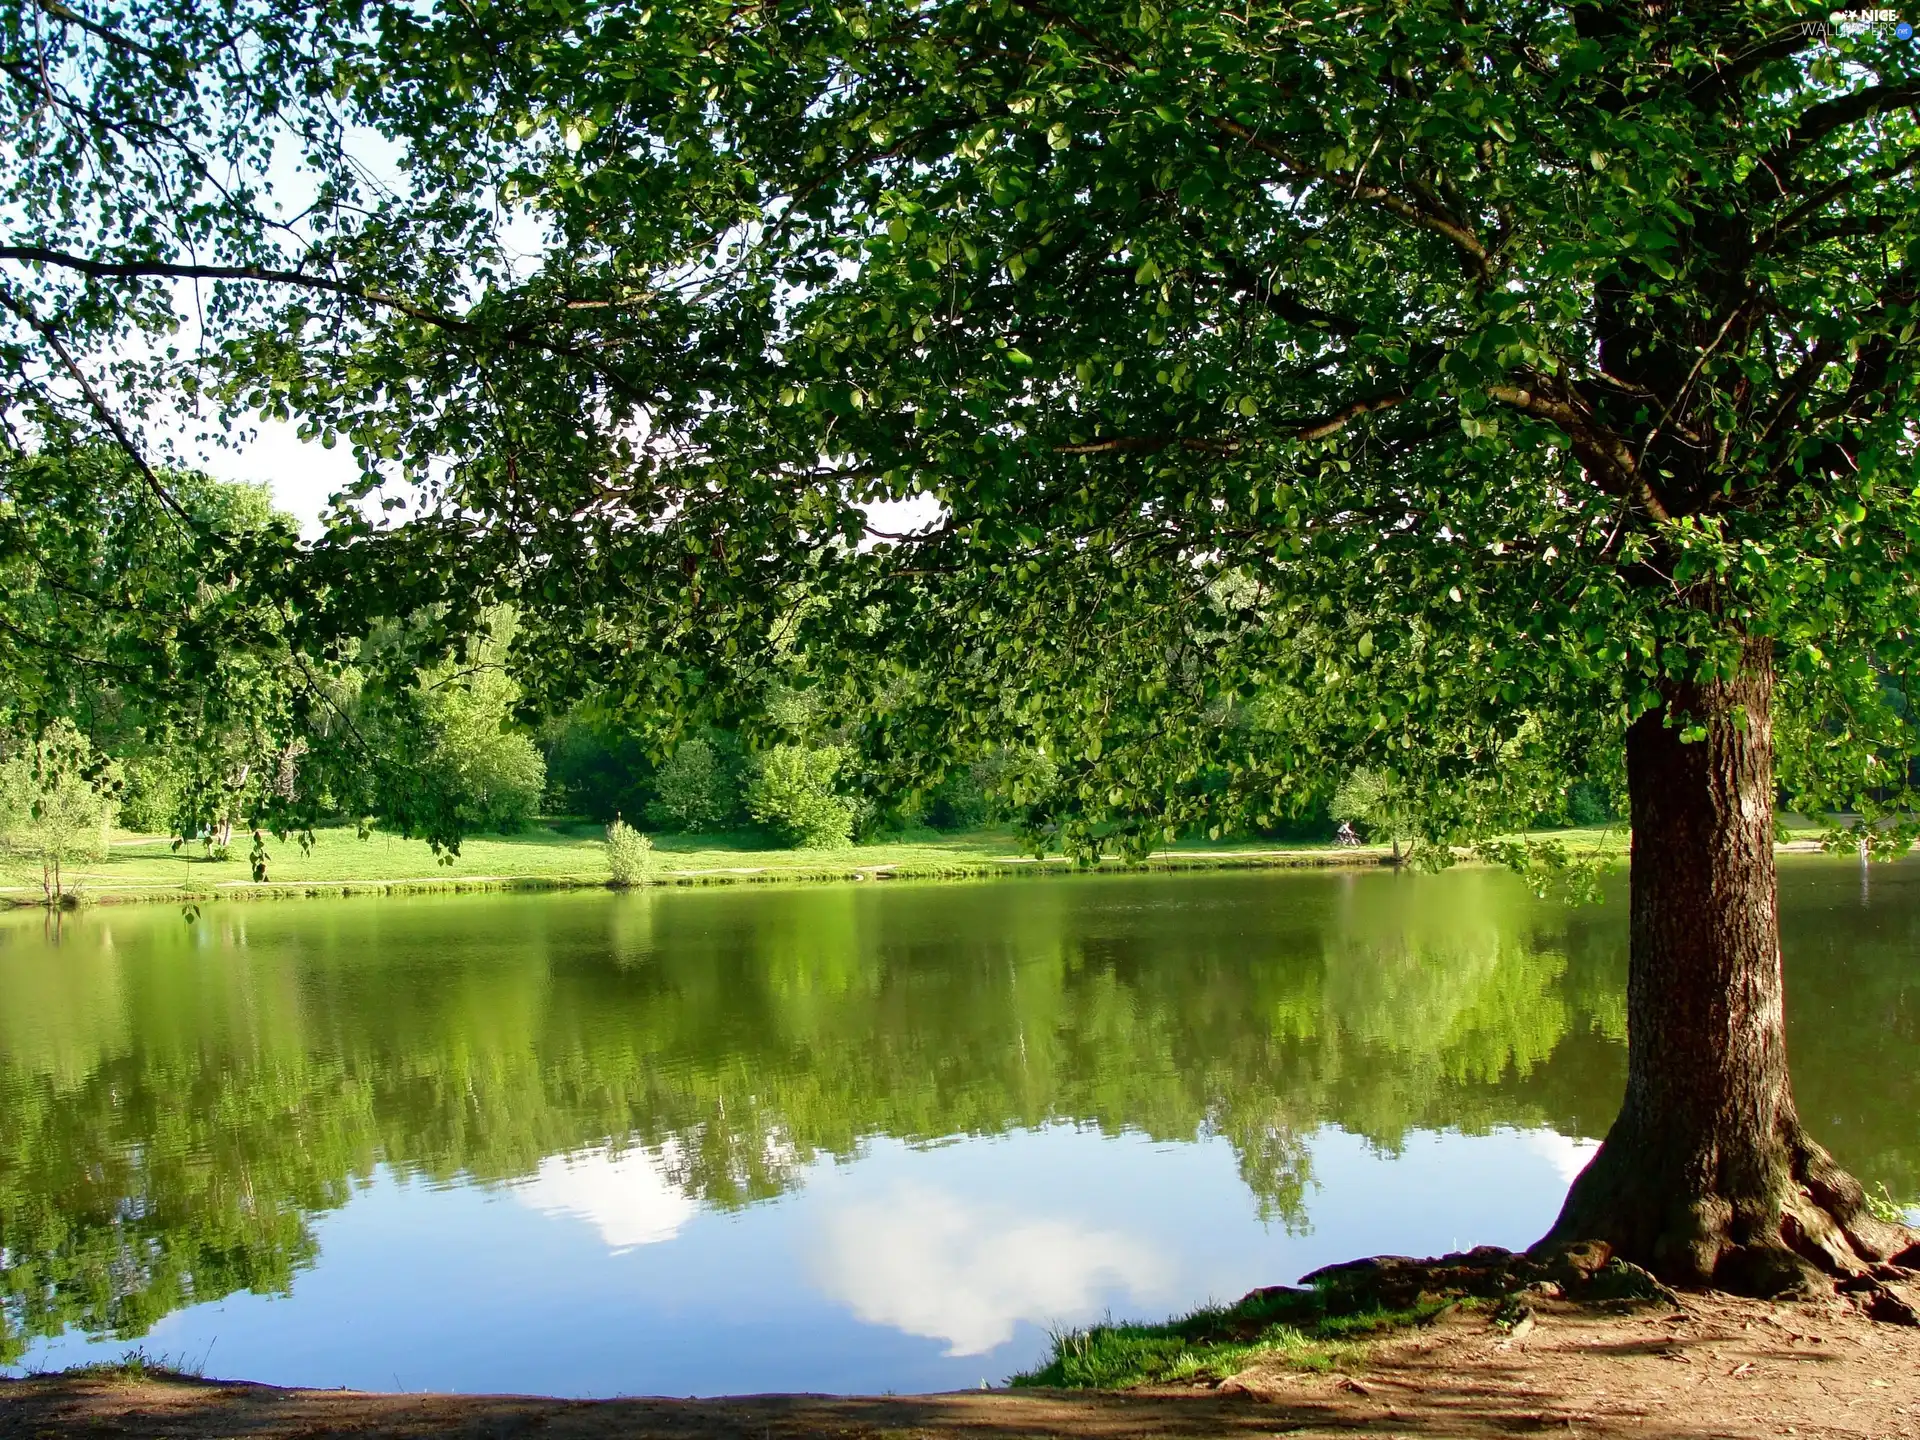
[135, 1364]
[570, 853]
[1214, 1342]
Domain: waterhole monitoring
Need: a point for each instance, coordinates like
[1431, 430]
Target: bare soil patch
[1715, 1366]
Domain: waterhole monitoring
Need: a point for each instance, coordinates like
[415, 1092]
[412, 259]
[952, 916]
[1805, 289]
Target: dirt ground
[1716, 1367]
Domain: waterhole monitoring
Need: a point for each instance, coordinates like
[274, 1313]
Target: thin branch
[94, 27]
[166, 270]
[1317, 428]
[1339, 420]
[1798, 385]
[100, 408]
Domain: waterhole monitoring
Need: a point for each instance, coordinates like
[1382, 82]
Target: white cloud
[931, 1264]
[628, 1198]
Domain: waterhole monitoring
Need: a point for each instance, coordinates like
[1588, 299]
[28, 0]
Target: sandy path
[1720, 1368]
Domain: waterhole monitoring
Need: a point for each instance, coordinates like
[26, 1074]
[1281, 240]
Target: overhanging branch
[168, 270]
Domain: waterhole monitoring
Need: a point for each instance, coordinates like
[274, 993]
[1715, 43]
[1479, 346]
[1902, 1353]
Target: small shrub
[56, 800]
[1882, 1206]
[792, 794]
[629, 854]
[1587, 804]
[694, 790]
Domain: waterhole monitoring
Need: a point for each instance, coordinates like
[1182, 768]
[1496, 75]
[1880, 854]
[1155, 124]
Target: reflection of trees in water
[175, 1101]
[1853, 1016]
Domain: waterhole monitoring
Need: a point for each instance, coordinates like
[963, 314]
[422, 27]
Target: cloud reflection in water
[929, 1263]
[629, 1197]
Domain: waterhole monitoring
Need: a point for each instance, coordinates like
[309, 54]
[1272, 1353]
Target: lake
[848, 1138]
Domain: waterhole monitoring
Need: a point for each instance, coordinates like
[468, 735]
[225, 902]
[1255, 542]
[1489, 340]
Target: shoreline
[1715, 1366]
[833, 868]
[829, 871]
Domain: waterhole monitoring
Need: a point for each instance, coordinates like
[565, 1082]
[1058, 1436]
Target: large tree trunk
[1707, 1176]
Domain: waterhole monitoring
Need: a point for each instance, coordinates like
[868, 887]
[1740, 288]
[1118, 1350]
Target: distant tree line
[146, 683]
[154, 682]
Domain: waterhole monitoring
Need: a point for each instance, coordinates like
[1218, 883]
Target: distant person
[1345, 834]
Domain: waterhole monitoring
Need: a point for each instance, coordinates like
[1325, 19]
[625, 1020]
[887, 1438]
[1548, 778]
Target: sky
[302, 475]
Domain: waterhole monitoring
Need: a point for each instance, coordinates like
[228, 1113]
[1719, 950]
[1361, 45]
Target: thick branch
[1818, 121]
[1596, 445]
[1711, 88]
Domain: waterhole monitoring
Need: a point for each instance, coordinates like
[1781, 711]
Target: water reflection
[629, 1199]
[181, 1106]
[936, 1264]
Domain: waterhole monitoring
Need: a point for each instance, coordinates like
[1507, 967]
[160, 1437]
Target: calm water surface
[852, 1138]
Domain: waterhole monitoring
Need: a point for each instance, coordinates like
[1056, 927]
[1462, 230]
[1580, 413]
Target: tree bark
[1706, 1177]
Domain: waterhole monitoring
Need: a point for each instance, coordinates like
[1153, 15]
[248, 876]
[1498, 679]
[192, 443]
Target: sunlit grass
[1215, 1342]
[570, 852]
[567, 852]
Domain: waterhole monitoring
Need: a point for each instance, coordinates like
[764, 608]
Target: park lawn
[569, 853]
[541, 851]
[1615, 840]
[560, 852]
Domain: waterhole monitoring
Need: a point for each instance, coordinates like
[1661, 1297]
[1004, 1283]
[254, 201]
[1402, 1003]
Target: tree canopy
[1391, 382]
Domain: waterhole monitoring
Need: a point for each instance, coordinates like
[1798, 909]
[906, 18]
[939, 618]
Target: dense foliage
[1452, 390]
[1252, 358]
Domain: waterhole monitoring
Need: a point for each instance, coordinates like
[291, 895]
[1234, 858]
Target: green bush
[629, 854]
[1587, 804]
[957, 803]
[694, 790]
[491, 775]
[791, 793]
[150, 798]
[56, 801]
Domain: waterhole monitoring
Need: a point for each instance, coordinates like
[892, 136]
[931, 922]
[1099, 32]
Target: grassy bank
[562, 855]
[1213, 1343]
[565, 855]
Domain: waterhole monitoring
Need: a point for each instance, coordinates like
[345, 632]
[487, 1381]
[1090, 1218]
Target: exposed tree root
[1789, 1222]
[1588, 1271]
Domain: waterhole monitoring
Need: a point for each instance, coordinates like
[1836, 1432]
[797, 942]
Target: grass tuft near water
[1216, 1341]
